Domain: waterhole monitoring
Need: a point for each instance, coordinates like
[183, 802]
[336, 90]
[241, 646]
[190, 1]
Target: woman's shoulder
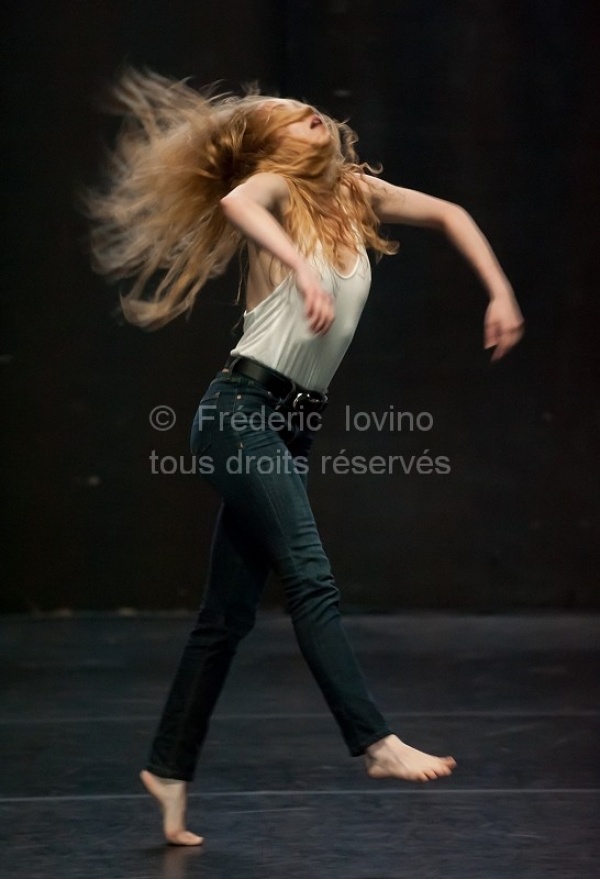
[266, 187]
[269, 180]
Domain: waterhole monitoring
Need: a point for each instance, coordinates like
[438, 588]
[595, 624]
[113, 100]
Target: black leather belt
[291, 394]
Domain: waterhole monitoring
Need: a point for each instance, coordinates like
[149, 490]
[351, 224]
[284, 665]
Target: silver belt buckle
[316, 403]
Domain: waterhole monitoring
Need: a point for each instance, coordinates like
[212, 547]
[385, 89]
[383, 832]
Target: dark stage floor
[514, 699]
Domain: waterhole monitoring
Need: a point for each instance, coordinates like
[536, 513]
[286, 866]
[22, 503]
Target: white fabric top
[277, 334]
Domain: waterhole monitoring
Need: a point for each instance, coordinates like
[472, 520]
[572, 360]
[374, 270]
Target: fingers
[502, 339]
[319, 311]
[503, 346]
[318, 303]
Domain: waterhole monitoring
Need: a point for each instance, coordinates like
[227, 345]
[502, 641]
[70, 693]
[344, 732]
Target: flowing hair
[177, 154]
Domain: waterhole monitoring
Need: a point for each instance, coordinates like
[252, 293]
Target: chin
[322, 136]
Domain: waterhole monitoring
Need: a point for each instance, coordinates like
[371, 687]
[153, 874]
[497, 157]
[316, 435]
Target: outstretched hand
[503, 326]
[319, 305]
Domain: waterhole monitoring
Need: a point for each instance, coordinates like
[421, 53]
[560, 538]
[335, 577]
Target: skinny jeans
[257, 460]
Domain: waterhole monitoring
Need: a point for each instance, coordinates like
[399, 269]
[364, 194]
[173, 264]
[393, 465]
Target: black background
[488, 104]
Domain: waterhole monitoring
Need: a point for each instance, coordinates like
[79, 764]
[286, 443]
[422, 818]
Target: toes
[184, 837]
[430, 773]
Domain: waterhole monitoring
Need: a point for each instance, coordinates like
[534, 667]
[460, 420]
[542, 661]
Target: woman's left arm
[504, 324]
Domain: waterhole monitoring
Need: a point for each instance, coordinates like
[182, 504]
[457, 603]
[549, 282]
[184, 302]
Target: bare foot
[171, 796]
[392, 758]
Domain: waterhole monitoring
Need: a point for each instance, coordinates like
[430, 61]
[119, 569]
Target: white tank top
[276, 331]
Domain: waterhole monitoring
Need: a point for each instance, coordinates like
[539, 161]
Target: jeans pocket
[205, 422]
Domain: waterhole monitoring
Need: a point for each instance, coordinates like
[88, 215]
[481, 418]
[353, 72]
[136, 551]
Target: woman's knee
[227, 627]
[310, 591]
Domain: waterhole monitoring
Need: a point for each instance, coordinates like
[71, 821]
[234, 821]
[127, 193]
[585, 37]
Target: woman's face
[310, 128]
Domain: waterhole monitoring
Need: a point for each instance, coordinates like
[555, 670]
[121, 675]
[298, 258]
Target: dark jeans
[265, 521]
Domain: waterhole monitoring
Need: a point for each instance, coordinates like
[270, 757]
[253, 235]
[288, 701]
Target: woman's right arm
[250, 207]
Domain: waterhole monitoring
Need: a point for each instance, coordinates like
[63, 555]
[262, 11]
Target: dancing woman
[194, 179]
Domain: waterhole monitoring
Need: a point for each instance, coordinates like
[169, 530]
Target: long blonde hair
[178, 152]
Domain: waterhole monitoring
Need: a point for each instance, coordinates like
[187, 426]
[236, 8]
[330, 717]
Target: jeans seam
[355, 723]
